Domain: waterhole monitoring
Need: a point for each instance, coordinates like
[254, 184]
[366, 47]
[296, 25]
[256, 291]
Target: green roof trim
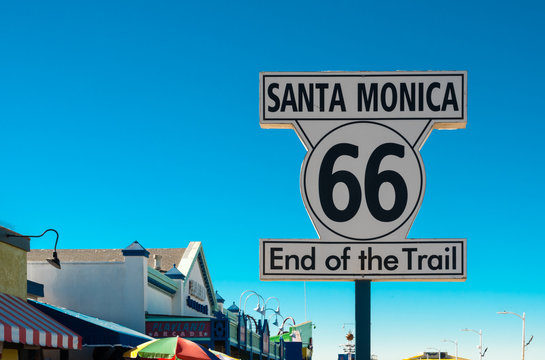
[276, 338]
[161, 281]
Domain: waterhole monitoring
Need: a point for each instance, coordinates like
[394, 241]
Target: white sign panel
[363, 96]
[304, 259]
[363, 179]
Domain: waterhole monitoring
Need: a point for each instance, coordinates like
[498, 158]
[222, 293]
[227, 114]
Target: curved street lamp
[252, 293]
[278, 301]
[240, 299]
[480, 333]
[55, 262]
[455, 343]
[276, 315]
[258, 307]
[523, 317]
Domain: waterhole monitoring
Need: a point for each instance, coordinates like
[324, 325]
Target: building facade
[160, 292]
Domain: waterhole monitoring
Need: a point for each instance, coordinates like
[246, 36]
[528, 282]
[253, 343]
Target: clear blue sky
[138, 120]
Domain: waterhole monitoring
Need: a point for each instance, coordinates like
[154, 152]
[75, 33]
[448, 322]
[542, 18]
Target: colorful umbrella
[133, 353]
[171, 348]
[222, 356]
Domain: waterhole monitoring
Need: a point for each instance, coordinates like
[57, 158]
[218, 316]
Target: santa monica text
[363, 97]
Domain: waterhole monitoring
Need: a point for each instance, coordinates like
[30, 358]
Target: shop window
[27, 354]
[10, 354]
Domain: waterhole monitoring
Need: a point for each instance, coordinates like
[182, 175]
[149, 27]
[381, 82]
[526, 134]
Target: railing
[233, 332]
[274, 350]
[256, 342]
[251, 338]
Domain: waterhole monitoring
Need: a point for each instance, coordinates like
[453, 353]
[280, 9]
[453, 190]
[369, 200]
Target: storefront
[25, 330]
[209, 332]
[202, 318]
[160, 292]
[33, 330]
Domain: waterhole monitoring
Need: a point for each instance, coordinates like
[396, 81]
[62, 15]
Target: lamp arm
[270, 298]
[240, 299]
[252, 294]
[510, 312]
[37, 236]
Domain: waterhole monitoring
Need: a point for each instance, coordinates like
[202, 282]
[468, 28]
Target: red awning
[24, 324]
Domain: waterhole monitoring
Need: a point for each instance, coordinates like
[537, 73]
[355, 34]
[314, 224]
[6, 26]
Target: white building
[123, 285]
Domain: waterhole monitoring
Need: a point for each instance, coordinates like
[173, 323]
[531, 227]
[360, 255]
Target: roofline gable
[194, 254]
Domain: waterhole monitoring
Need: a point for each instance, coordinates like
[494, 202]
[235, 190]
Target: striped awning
[24, 324]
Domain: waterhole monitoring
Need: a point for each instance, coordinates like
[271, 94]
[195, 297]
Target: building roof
[169, 256]
[78, 255]
[233, 308]
[14, 239]
[174, 273]
[135, 249]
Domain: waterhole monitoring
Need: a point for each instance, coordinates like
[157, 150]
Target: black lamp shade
[55, 261]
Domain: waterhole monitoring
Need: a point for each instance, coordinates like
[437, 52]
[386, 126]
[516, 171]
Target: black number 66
[372, 183]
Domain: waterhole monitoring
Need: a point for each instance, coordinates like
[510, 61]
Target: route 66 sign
[363, 179]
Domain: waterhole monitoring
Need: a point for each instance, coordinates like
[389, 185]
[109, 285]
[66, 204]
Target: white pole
[455, 343]
[523, 333]
[305, 290]
[480, 333]
[481, 344]
[523, 317]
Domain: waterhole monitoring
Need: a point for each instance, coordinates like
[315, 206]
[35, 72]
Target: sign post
[363, 318]
[363, 179]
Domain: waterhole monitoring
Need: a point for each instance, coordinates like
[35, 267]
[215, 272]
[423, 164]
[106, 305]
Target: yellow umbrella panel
[133, 353]
[222, 356]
